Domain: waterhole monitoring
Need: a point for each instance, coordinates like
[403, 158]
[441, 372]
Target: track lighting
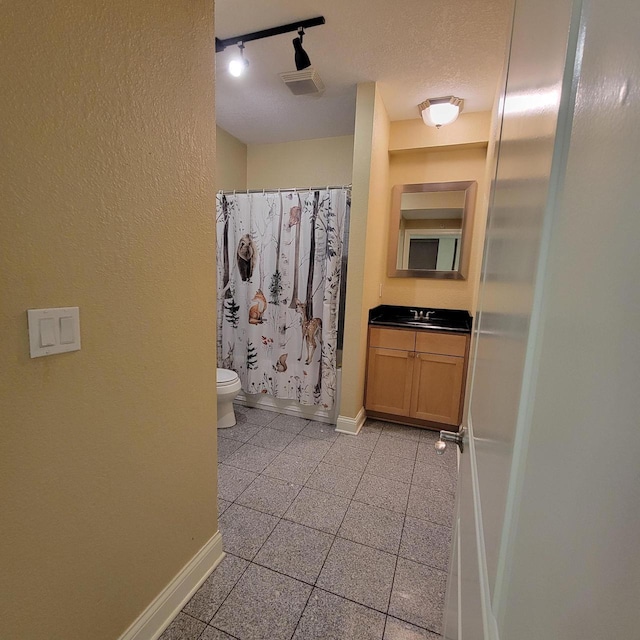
[436, 112]
[222, 44]
[305, 80]
[301, 57]
[238, 65]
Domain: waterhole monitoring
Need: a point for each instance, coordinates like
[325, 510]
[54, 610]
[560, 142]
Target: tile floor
[327, 536]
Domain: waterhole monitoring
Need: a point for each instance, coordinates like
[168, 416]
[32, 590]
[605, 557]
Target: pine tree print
[295, 220]
[252, 356]
[225, 249]
[231, 312]
[275, 288]
[312, 254]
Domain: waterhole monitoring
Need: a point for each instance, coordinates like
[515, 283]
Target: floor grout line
[225, 632]
[335, 536]
[313, 587]
[351, 500]
[405, 514]
[184, 613]
[324, 561]
[395, 567]
[269, 536]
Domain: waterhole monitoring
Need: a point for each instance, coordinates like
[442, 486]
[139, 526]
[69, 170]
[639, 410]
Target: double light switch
[53, 331]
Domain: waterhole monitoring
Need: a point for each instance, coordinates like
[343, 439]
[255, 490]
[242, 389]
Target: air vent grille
[305, 82]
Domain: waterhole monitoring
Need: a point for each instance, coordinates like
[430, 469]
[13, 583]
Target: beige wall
[441, 165]
[451, 155]
[303, 163]
[366, 238]
[470, 129]
[431, 224]
[107, 461]
[231, 162]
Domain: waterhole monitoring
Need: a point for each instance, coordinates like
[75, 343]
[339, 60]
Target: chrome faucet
[422, 314]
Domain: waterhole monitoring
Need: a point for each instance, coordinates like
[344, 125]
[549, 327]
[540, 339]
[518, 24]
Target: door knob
[450, 436]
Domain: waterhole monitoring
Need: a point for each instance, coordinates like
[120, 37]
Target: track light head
[301, 57]
[237, 66]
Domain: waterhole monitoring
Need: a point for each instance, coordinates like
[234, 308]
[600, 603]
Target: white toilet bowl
[228, 385]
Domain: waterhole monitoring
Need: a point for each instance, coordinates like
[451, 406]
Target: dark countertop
[453, 320]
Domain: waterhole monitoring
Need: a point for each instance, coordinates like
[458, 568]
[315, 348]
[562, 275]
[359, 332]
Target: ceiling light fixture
[237, 66]
[437, 112]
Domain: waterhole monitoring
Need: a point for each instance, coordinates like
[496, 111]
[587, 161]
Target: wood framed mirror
[430, 230]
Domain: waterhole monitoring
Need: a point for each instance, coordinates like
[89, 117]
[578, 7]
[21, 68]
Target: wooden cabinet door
[389, 375]
[437, 388]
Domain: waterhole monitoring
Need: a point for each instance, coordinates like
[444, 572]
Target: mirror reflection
[430, 230]
[430, 227]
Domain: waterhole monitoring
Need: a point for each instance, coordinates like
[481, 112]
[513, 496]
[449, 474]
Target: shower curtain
[279, 258]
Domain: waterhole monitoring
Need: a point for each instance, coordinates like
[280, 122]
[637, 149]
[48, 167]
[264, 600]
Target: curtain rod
[232, 191]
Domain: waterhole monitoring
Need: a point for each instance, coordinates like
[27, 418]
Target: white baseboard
[351, 426]
[165, 607]
[288, 407]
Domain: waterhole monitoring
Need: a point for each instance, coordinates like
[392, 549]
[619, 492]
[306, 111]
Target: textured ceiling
[414, 49]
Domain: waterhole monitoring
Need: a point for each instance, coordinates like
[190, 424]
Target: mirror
[430, 232]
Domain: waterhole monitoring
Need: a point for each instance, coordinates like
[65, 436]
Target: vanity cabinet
[416, 376]
[390, 371]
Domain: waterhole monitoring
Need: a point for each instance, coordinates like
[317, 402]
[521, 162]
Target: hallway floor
[327, 536]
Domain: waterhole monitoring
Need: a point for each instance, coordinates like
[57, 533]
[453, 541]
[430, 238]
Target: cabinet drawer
[442, 343]
[392, 338]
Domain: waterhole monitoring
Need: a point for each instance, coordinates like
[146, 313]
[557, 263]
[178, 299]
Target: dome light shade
[437, 112]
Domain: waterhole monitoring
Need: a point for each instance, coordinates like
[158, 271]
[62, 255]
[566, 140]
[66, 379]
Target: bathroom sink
[438, 319]
[425, 322]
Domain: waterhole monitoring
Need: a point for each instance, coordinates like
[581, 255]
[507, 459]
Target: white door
[550, 467]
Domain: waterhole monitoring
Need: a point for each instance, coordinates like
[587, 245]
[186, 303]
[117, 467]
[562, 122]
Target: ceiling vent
[303, 83]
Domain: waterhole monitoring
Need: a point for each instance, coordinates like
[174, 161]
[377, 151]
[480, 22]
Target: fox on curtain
[279, 258]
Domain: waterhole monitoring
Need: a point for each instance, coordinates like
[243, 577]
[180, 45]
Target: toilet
[228, 385]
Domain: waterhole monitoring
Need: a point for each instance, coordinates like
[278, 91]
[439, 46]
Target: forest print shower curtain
[279, 258]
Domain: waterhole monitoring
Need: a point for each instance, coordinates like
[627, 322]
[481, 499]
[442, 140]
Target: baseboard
[165, 607]
[290, 408]
[411, 422]
[351, 426]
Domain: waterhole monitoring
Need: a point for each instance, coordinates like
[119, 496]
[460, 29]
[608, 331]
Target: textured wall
[304, 163]
[375, 171]
[468, 129]
[231, 162]
[442, 165]
[370, 183]
[107, 455]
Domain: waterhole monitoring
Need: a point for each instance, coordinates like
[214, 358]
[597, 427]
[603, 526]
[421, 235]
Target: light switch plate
[53, 331]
